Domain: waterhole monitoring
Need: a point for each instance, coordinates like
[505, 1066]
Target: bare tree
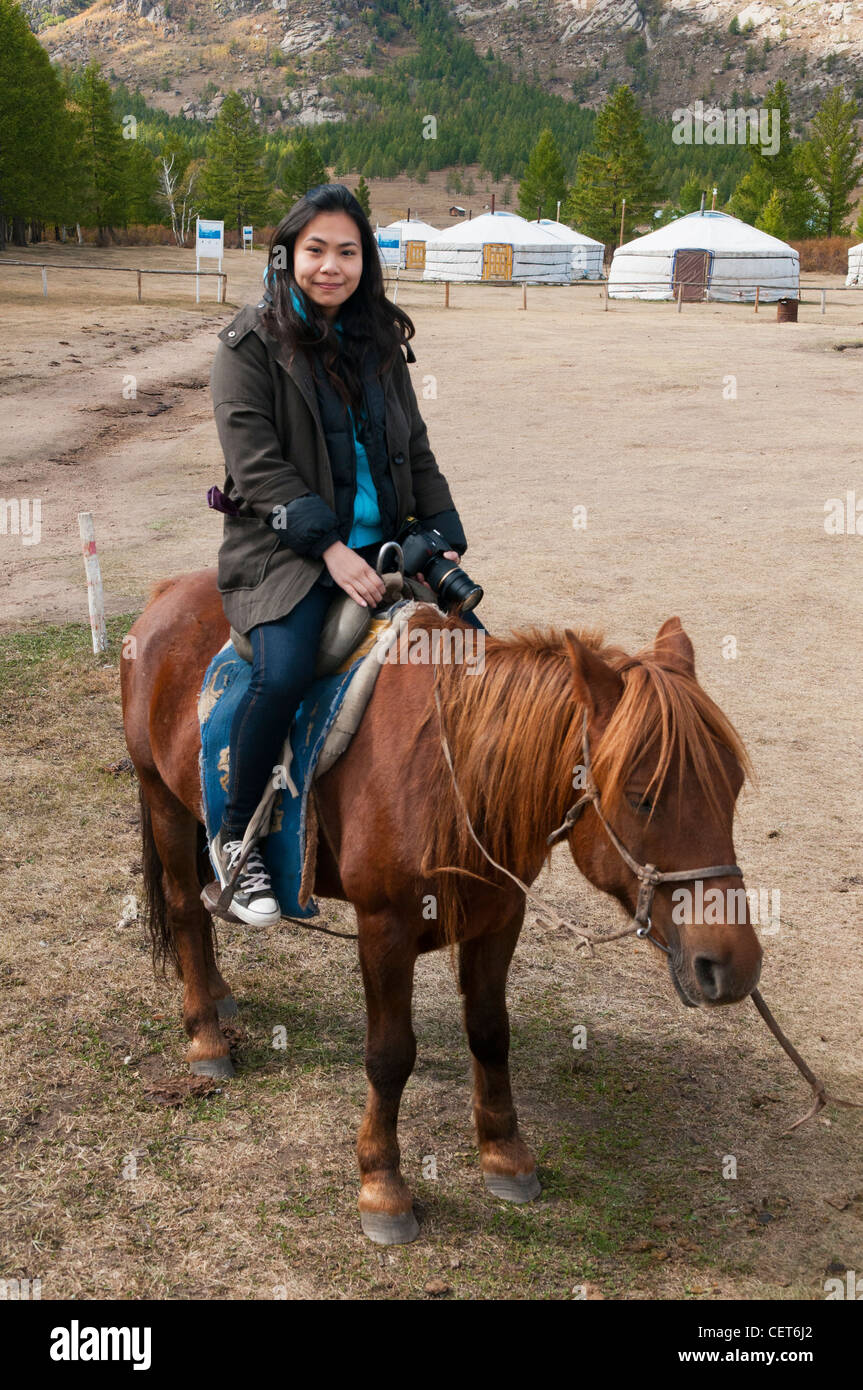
[177, 191]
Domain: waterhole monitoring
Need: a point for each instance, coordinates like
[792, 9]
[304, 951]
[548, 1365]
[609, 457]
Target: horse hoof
[212, 1066]
[523, 1187]
[227, 1007]
[385, 1229]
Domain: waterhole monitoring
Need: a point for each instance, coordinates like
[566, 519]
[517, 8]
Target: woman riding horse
[326, 456]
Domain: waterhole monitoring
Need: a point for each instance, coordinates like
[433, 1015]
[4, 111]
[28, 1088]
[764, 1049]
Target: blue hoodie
[366, 528]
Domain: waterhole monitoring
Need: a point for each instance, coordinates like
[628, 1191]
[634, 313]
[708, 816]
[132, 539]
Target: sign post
[209, 244]
[247, 239]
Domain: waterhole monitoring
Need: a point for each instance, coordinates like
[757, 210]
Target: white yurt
[855, 265]
[498, 245]
[412, 236]
[710, 256]
[587, 254]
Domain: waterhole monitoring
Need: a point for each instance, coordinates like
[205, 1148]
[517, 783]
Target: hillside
[185, 54]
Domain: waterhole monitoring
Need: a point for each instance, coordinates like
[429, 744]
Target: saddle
[348, 623]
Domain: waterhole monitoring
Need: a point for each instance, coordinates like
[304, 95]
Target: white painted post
[824, 301]
[95, 597]
[44, 282]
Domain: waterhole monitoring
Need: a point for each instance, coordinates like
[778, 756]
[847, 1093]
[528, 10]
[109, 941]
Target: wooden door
[496, 261]
[415, 255]
[692, 274]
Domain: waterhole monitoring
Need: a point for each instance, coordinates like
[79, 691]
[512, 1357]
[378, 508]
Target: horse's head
[668, 767]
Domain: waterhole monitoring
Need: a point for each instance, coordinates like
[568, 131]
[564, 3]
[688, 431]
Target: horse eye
[642, 804]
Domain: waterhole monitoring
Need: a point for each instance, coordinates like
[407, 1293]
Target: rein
[649, 878]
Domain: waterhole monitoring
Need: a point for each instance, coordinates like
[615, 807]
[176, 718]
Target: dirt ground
[704, 446]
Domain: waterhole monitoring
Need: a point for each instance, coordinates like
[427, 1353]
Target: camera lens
[455, 589]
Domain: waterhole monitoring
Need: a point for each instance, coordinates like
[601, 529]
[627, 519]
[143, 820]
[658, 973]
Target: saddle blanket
[286, 817]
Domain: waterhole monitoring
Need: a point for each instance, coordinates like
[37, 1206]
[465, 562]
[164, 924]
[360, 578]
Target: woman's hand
[353, 574]
[448, 555]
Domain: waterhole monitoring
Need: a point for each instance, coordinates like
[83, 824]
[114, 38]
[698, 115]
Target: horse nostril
[708, 973]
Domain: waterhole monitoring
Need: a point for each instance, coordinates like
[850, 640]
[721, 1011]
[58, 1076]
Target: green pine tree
[233, 183]
[831, 158]
[783, 171]
[690, 193]
[771, 218]
[617, 167]
[105, 154]
[544, 180]
[303, 169]
[142, 182]
[40, 174]
[363, 196]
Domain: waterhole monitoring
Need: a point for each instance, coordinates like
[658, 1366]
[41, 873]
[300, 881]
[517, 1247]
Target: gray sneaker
[253, 901]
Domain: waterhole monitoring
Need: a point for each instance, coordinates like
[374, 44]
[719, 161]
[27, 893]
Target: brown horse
[668, 765]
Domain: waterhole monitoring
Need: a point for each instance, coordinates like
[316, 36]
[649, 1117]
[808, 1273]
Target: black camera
[423, 548]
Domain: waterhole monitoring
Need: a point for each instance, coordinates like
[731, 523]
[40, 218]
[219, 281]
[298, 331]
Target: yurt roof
[707, 231]
[497, 227]
[413, 229]
[564, 233]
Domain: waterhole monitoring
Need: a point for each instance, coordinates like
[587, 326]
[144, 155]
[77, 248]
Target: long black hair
[371, 323]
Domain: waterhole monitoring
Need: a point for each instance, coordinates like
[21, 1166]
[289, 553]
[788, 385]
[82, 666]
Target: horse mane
[515, 735]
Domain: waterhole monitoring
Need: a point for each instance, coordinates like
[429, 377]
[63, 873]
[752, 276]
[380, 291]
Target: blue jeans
[285, 654]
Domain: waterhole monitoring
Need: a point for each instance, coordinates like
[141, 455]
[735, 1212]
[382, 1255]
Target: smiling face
[328, 260]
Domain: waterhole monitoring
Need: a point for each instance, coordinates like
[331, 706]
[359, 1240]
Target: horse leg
[175, 836]
[220, 990]
[507, 1164]
[386, 1210]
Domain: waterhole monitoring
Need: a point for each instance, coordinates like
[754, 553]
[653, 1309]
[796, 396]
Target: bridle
[649, 877]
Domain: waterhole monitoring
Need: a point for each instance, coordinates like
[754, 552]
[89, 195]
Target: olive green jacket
[272, 437]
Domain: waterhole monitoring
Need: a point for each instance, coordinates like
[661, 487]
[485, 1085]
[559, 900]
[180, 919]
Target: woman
[326, 456]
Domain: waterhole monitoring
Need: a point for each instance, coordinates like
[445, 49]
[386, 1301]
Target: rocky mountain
[185, 54]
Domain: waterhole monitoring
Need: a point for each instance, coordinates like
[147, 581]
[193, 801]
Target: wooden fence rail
[45, 266]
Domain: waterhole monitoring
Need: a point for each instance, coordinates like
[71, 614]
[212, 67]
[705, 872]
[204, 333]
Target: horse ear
[597, 686]
[671, 640]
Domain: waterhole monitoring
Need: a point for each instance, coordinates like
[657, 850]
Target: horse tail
[156, 917]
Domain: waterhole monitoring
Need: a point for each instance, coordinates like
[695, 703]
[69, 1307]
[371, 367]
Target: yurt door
[415, 255]
[691, 274]
[496, 261]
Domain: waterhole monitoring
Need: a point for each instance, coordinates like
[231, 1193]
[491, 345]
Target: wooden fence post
[139, 287]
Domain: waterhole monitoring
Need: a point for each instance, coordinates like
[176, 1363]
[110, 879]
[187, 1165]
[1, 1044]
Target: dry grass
[828, 254]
